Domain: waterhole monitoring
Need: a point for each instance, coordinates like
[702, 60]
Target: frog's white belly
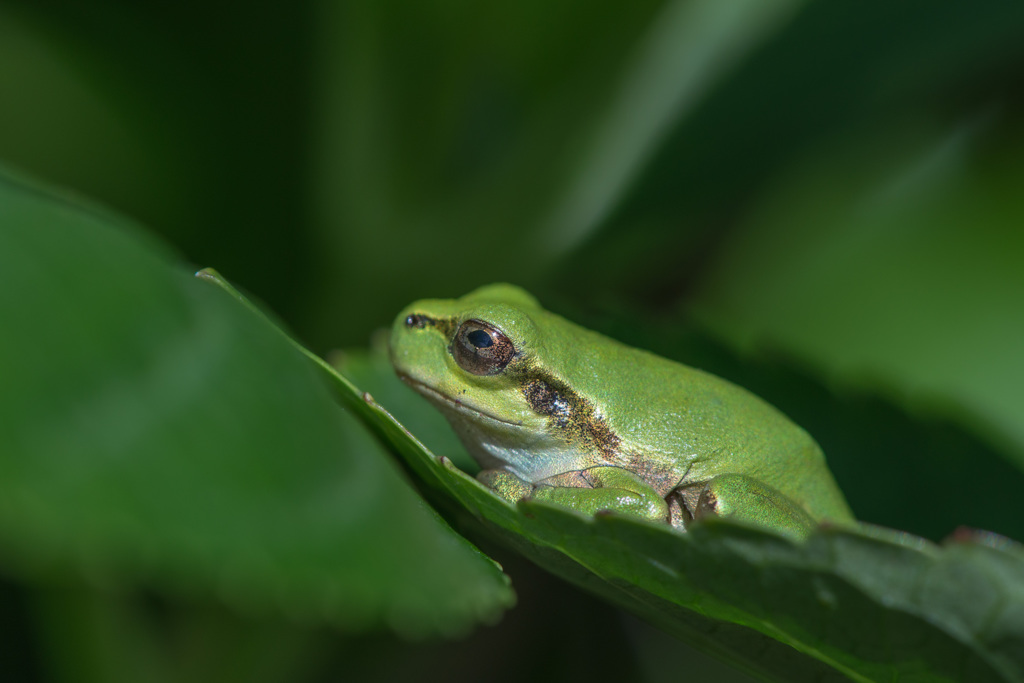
[534, 457]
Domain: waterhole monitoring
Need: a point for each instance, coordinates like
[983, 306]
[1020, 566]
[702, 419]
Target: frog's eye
[481, 349]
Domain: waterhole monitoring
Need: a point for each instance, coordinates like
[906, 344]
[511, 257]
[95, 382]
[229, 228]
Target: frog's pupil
[480, 339]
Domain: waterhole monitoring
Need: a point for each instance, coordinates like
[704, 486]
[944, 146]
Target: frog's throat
[458, 406]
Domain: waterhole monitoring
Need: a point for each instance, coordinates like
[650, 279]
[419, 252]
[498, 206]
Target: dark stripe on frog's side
[582, 427]
[573, 415]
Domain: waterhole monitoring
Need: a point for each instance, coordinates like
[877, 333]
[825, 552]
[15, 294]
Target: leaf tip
[207, 273]
[967, 535]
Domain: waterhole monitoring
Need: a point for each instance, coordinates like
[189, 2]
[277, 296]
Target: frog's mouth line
[432, 393]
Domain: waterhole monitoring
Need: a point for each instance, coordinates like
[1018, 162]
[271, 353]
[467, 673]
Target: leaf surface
[154, 431]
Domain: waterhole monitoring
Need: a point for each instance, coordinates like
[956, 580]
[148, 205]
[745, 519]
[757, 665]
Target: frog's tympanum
[556, 412]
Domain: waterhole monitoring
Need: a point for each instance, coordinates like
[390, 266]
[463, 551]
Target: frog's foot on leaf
[606, 489]
[593, 490]
[505, 484]
[743, 498]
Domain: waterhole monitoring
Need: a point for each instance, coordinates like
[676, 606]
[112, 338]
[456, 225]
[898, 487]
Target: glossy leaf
[154, 432]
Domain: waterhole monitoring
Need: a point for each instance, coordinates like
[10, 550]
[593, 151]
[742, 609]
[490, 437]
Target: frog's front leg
[590, 490]
[748, 499]
[505, 484]
[605, 488]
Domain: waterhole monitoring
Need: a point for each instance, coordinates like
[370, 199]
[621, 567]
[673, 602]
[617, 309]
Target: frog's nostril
[417, 321]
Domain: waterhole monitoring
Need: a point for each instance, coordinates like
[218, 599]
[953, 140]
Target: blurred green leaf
[892, 261]
[109, 147]
[690, 47]
[174, 121]
[477, 144]
[835, 69]
[155, 431]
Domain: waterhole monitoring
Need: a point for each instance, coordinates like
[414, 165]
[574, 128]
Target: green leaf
[155, 432]
[891, 261]
[529, 126]
[873, 604]
[837, 69]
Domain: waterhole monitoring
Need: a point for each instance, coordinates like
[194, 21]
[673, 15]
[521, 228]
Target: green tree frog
[555, 412]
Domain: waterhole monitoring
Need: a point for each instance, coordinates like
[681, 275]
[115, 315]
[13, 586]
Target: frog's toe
[505, 484]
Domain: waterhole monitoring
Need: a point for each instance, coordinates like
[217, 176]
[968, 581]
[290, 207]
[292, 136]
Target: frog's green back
[694, 421]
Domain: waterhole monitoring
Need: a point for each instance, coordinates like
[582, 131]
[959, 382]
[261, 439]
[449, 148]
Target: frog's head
[491, 362]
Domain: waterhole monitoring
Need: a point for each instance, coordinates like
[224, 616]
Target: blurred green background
[818, 200]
